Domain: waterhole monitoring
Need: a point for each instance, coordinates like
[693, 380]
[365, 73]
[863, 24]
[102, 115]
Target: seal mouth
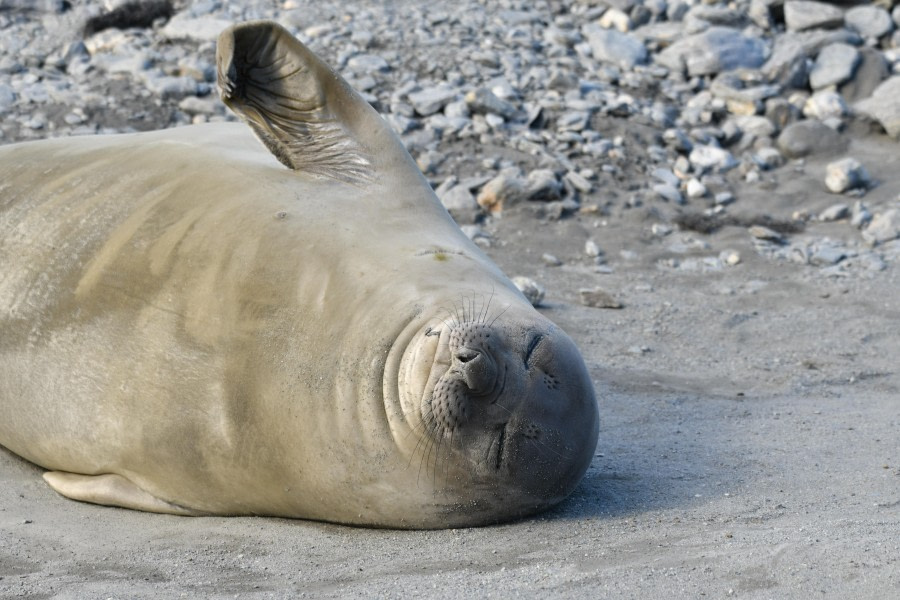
[498, 450]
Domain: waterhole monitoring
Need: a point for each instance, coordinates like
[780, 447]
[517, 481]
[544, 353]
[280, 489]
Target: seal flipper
[111, 490]
[304, 112]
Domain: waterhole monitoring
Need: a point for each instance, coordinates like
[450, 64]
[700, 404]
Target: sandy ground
[749, 447]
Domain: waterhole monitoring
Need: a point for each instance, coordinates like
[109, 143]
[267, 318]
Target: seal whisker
[494, 320]
[564, 456]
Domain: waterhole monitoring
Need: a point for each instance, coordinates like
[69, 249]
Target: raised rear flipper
[111, 490]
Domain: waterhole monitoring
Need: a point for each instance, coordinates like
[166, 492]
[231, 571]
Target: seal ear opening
[303, 112]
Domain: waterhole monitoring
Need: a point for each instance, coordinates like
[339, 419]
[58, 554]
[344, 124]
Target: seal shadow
[664, 444]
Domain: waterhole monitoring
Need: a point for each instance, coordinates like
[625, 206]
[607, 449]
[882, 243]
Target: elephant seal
[189, 327]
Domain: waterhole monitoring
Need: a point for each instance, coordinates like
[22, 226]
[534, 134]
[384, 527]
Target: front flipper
[111, 490]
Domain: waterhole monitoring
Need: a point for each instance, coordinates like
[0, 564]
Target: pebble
[597, 298]
[430, 100]
[503, 190]
[845, 174]
[542, 184]
[460, 203]
[531, 289]
[835, 212]
[764, 233]
[800, 15]
[884, 227]
[695, 188]
[592, 249]
[610, 46]
[550, 260]
[669, 193]
[711, 158]
[860, 217]
[484, 101]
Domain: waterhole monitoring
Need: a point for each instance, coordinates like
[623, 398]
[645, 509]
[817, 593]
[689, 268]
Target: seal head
[505, 404]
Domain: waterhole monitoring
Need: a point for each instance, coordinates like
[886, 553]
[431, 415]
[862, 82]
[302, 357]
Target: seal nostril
[465, 356]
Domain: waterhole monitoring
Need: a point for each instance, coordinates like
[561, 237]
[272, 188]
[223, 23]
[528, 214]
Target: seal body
[187, 326]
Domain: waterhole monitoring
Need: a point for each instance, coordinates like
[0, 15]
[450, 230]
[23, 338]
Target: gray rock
[576, 120]
[669, 193]
[7, 97]
[764, 233]
[805, 138]
[869, 21]
[768, 158]
[609, 45]
[723, 198]
[597, 298]
[884, 106]
[827, 253]
[835, 64]
[431, 100]
[666, 176]
[167, 86]
[484, 101]
[578, 181]
[860, 217]
[792, 50]
[845, 174]
[550, 260]
[501, 192]
[871, 71]
[807, 14]
[543, 185]
[367, 63]
[715, 50]
[835, 212]
[883, 228]
[460, 203]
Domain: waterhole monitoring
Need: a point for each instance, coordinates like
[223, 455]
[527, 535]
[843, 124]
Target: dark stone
[805, 138]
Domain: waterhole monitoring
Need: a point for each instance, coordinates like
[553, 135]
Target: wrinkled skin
[189, 327]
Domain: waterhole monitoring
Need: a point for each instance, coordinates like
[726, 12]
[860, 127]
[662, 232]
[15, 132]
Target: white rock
[530, 288]
[695, 188]
[705, 157]
[845, 174]
[825, 104]
[203, 29]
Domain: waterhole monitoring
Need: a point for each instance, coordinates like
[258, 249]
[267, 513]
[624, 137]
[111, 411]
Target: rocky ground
[705, 194]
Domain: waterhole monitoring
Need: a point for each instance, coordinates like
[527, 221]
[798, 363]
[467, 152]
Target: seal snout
[472, 359]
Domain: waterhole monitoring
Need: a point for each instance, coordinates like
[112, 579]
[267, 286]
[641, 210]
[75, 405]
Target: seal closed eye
[168, 346]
